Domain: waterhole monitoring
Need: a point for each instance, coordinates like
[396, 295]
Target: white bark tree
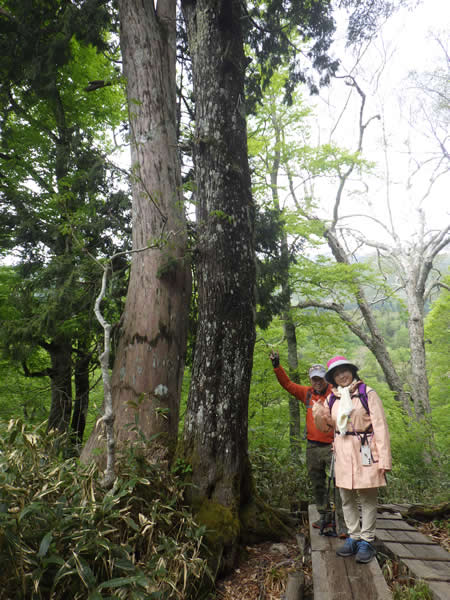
[412, 261]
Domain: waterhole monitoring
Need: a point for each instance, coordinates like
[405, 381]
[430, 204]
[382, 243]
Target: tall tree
[215, 431]
[412, 261]
[268, 151]
[148, 369]
[54, 180]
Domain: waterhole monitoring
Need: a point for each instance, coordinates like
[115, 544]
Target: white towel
[344, 409]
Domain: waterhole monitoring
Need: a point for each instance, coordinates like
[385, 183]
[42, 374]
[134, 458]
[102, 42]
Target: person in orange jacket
[319, 444]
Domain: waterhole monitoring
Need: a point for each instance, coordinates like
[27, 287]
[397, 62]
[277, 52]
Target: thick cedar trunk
[148, 370]
[81, 402]
[61, 385]
[215, 432]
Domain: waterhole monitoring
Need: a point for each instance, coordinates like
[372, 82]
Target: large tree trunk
[148, 370]
[81, 403]
[216, 421]
[61, 385]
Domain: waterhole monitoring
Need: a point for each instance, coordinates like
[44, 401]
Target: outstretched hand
[275, 358]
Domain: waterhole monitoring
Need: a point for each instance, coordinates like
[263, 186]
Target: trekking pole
[333, 479]
[330, 509]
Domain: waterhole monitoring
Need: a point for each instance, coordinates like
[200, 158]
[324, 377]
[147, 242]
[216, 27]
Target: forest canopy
[186, 187]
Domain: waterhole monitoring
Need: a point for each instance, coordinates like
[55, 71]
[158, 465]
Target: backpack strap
[331, 401]
[307, 405]
[362, 390]
[308, 399]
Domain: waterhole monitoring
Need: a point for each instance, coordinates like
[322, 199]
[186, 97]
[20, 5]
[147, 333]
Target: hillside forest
[186, 187]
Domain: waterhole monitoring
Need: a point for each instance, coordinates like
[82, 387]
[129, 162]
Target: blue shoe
[349, 548]
[366, 552]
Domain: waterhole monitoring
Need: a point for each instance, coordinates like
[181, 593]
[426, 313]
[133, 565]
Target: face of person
[343, 376]
[318, 384]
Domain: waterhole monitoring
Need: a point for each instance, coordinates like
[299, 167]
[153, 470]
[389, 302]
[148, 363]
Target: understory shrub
[63, 536]
[420, 472]
[279, 480]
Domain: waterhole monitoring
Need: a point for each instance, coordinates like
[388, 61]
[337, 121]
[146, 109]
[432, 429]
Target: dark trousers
[318, 460]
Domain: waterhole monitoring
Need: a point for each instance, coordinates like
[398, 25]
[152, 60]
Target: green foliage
[418, 591]
[417, 476]
[62, 202]
[278, 480]
[437, 339]
[271, 265]
[420, 472]
[62, 535]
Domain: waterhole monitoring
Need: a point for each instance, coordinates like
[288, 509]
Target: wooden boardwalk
[424, 558]
[336, 578]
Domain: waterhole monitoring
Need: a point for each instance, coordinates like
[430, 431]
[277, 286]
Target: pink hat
[337, 361]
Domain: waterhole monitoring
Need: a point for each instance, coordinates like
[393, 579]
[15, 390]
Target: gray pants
[318, 460]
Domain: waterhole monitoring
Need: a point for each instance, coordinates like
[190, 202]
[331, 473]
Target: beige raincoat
[349, 470]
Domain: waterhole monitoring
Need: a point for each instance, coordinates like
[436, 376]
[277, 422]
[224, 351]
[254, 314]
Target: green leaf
[123, 581]
[45, 544]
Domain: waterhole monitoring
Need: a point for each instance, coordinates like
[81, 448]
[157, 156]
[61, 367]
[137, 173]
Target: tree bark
[61, 385]
[216, 422]
[419, 378]
[295, 440]
[81, 403]
[148, 370]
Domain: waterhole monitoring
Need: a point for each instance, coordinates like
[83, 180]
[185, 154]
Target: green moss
[221, 522]
[260, 523]
[169, 269]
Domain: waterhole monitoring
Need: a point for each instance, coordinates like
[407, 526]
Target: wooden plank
[326, 588]
[400, 508]
[439, 589]
[295, 585]
[398, 524]
[337, 578]
[404, 537]
[367, 581]
[321, 543]
[388, 515]
[419, 552]
[336, 574]
[430, 570]
[385, 536]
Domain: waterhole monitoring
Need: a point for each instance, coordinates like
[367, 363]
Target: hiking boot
[318, 524]
[365, 552]
[349, 548]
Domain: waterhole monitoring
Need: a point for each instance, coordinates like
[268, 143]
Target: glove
[275, 358]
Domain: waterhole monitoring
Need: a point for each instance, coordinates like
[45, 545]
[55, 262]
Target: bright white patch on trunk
[161, 390]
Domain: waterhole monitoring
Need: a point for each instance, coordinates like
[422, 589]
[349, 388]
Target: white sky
[405, 46]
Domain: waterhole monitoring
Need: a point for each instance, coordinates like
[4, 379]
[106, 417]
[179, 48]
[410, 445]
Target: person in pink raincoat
[362, 453]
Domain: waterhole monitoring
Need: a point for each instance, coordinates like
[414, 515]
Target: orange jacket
[301, 392]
